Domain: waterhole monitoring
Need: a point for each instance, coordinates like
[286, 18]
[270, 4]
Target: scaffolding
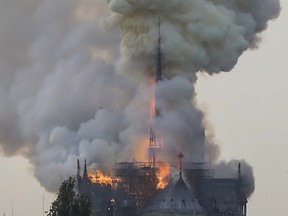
[139, 180]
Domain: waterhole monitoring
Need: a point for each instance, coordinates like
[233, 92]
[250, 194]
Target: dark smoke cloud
[67, 91]
[230, 170]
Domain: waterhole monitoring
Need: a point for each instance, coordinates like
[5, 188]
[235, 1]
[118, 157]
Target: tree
[68, 203]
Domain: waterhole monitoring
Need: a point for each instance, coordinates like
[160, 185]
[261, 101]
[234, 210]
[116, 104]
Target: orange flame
[163, 176]
[98, 177]
[140, 152]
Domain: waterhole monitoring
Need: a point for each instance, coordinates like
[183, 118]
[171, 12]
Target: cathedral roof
[175, 198]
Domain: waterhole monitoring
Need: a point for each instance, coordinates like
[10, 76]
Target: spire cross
[180, 156]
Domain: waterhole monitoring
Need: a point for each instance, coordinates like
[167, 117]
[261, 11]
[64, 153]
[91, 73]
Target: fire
[163, 176]
[142, 143]
[98, 177]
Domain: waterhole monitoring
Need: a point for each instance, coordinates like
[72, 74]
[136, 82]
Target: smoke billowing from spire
[63, 96]
[197, 35]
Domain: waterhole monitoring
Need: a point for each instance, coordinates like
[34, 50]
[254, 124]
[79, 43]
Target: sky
[247, 111]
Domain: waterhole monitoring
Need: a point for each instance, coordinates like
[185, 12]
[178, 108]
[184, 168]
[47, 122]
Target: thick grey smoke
[230, 170]
[67, 91]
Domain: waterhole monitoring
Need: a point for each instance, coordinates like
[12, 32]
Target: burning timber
[134, 190]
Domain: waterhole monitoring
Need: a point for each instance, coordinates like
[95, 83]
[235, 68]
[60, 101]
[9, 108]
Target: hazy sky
[248, 112]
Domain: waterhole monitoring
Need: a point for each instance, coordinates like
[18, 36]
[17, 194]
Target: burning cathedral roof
[176, 197]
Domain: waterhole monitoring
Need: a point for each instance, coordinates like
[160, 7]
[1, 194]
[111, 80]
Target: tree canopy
[68, 203]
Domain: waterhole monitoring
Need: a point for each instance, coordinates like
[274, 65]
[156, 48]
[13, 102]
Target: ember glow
[98, 177]
[142, 143]
[154, 113]
[163, 176]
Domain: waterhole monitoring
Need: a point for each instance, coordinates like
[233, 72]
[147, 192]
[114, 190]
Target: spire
[180, 156]
[155, 142]
[158, 66]
[239, 171]
[85, 173]
[78, 168]
[159, 70]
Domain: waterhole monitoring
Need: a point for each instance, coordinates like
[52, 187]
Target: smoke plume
[68, 91]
